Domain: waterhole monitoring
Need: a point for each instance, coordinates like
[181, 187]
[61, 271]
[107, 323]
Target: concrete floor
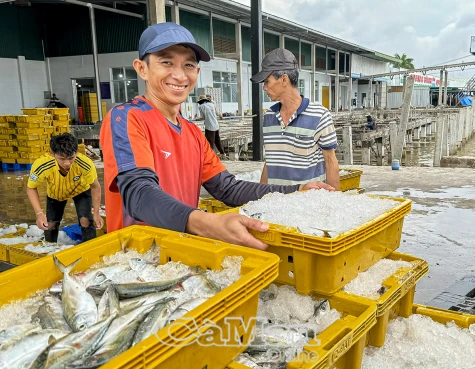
[440, 228]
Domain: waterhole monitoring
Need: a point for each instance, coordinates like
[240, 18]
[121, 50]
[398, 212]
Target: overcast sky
[430, 31]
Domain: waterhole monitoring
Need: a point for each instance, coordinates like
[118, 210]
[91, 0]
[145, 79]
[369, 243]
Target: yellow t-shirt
[81, 175]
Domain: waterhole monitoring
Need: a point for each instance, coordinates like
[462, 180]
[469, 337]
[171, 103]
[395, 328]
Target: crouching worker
[69, 174]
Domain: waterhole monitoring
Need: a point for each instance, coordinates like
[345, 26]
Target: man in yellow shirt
[69, 174]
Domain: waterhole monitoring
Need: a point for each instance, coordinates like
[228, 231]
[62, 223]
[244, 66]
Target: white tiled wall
[10, 102]
[37, 82]
[34, 83]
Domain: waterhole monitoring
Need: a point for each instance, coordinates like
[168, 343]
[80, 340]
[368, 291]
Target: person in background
[370, 123]
[155, 161]
[299, 136]
[68, 174]
[54, 102]
[210, 115]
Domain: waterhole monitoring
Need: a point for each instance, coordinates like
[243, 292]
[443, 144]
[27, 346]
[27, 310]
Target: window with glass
[301, 87]
[124, 84]
[227, 82]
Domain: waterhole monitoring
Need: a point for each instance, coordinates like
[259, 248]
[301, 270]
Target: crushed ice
[286, 322]
[420, 342]
[368, 283]
[317, 212]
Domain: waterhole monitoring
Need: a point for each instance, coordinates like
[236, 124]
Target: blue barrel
[395, 164]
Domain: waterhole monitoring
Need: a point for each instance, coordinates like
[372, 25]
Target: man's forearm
[264, 179]
[232, 192]
[332, 173]
[34, 199]
[96, 198]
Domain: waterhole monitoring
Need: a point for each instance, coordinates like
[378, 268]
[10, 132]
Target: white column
[239, 68]
[24, 85]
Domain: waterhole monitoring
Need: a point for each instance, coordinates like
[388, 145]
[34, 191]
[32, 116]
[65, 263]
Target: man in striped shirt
[299, 136]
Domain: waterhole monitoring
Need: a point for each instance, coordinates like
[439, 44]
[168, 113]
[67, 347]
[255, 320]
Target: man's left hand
[99, 221]
[315, 185]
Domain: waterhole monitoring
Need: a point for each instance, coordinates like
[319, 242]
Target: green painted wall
[198, 25]
[21, 33]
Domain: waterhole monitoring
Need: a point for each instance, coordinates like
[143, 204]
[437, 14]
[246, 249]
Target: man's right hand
[231, 228]
[42, 222]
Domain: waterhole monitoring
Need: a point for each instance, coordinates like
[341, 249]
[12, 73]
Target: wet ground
[440, 228]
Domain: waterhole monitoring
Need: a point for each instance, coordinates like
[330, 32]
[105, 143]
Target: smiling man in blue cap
[155, 161]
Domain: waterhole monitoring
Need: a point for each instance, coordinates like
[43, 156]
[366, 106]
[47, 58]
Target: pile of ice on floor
[286, 322]
[254, 176]
[369, 283]
[33, 236]
[419, 342]
[317, 212]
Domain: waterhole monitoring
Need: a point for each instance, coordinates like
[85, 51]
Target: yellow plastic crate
[62, 129]
[31, 149]
[19, 233]
[11, 118]
[4, 254]
[398, 298]
[4, 143]
[61, 117]
[30, 118]
[26, 160]
[212, 205]
[30, 155]
[32, 137]
[13, 155]
[58, 111]
[29, 124]
[3, 118]
[61, 123]
[7, 125]
[48, 118]
[34, 111]
[31, 143]
[350, 181]
[341, 345]
[463, 320]
[12, 142]
[324, 265]
[3, 155]
[6, 137]
[49, 130]
[7, 131]
[19, 256]
[7, 148]
[176, 346]
[28, 131]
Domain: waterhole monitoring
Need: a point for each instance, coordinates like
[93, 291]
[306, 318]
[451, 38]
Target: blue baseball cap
[162, 35]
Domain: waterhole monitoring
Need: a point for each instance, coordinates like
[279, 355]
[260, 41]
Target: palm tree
[405, 62]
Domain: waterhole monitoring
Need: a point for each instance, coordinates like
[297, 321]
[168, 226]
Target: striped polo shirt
[294, 152]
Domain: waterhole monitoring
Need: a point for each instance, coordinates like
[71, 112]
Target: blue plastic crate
[15, 166]
[74, 232]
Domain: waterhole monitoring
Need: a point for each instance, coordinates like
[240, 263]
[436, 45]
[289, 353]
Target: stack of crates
[61, 120]
[321, 266]
[25, 137]
[90, 109]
